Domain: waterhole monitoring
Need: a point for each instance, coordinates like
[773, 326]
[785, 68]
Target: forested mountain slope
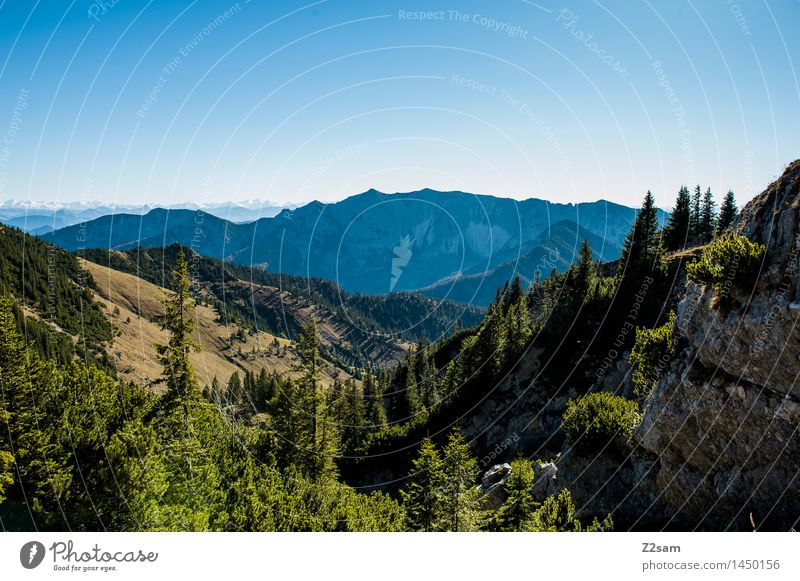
[53, 295]
[556, 248]
[664, 421]
[360, 330]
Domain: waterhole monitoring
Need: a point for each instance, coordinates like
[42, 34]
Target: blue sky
[166, 102]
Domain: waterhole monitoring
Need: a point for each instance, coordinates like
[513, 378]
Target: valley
[562, 389]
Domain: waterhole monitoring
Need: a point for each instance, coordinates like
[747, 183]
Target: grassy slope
[136, 330]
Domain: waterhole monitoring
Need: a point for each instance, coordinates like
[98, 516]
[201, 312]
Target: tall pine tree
[515, 513]
[460, 497]
[318, 437]
[727, 212]
[694, 222]
[373, 400]
[584, 273]
[235, 389]
[677, 230]
[422, 499]
[708, 216]
[642, 249]
[179, 375]
[412, 396]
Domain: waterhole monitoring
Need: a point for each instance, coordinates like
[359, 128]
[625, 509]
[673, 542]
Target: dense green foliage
[52, 284]
[308, 436]
[423, 495]
[591, 421]
[651, 353]
[45, 339]
[557, 513]
[516, 512]
[442, 495]
[729, 262]
[84, 452]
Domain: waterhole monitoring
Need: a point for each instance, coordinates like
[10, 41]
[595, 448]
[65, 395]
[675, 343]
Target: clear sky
[165, 102]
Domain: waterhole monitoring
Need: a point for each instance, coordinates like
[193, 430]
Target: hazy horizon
[255, 202]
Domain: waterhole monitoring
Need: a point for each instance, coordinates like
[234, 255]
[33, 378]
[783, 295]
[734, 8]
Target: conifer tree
[585, 271]
[179, 375]
[515, 292]
[694, 221]
[452, 379]
[536, 294]
[642, 249]
[215, 392]
[27, 400]
[317, 436]
[337, 403]
[518, 323]
[491, 342]
[429, 384]
[263, 390]
[373, 399]
[557, 513]
[707, 216]
[727, 212]
[235, 389]
[519, 506]
[422, 500]
[248, 388]
[288, 419]
[413, 404]
[460, 498]
[354, 416]
[677, 230]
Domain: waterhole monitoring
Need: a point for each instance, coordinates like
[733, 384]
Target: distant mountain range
[446, 244]
[44, 217]
[554, 248]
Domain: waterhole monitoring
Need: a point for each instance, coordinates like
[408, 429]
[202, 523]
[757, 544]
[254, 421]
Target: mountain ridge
[355, 241]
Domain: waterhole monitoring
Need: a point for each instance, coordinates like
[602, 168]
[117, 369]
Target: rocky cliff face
[721, 427]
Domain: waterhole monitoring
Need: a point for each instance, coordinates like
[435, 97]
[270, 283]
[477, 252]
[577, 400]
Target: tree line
[694, 218]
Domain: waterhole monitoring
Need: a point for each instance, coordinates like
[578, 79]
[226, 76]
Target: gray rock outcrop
[723, 422]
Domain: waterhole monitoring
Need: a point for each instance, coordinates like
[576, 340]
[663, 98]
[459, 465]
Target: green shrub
[557, 514]
[651, 353]
[729, 261]
[590, 421]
